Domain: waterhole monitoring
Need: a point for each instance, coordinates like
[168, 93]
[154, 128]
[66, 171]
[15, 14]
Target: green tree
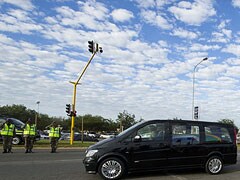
[22, 113]
[126, 120]
[18, 112]
[228, 121]
[95, 123]
[91, 123]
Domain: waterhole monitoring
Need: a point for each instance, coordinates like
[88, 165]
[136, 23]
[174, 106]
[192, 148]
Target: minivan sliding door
[186, 150]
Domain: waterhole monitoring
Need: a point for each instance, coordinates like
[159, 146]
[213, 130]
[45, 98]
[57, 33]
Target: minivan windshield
[17, 122]
[130, 128]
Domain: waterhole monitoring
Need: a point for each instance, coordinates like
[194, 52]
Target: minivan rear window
[217, 134]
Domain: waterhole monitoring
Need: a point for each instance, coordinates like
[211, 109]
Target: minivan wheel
[111, 168]
[214, 165]
[16, 140]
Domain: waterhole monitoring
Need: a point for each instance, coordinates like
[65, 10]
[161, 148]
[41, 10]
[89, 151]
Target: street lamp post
[194, 70]
[36, 119]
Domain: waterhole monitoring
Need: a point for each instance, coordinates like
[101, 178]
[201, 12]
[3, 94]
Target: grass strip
[62, 143]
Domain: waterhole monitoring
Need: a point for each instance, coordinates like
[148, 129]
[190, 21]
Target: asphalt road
[67, 165]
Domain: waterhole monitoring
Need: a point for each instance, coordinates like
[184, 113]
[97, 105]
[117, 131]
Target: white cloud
[65, 11]
[18, 21]
[222, 35]
[155, 19]
[233, 61]
[6, 40]
[227, 33]
[121, 15]
[153, 3]
[51, 20]
[93, 8]
[209, 71]
[78, 19]
[20, 15]
[154, 53]
[233, 49]
[218, 37]
[185, 34]
[236, 3]
[203, 47]
[193, 13]
[146, 4]
[233, 71]
[24, 4]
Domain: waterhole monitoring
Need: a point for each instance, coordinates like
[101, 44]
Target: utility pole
[37, 114]
[93, 48]
[82, 130]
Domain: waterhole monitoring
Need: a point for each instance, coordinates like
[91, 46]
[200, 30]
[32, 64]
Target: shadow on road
[181, 173]
[162, 173]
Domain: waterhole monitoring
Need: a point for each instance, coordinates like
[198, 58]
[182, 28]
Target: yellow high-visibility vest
[54, 132]
[26, 130]
[32, 130]
[7, 130]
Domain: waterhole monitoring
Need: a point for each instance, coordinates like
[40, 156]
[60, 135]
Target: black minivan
[164, 144]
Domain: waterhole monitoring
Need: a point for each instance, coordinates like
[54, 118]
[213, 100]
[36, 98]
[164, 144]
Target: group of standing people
[29, 132]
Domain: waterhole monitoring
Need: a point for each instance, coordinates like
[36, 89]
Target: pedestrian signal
[100, 50]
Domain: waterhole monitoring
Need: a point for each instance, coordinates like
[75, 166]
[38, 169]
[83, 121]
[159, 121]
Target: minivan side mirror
[137, 138]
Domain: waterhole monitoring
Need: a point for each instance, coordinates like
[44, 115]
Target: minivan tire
[16, 140]
[214, 165]
[111, 168]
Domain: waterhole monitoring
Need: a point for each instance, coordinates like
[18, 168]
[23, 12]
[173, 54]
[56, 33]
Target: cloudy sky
[150, 49]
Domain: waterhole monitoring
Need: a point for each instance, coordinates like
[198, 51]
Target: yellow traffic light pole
[74, 95]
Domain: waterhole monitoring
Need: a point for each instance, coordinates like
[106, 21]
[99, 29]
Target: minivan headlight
[90, 153]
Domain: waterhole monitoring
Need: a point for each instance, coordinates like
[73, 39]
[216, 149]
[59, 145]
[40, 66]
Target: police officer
[29, 135]
[8, 131]
[54, 135]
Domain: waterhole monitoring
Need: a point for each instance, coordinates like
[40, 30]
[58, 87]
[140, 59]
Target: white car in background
[93, 134]
[238, 138]
[107, 135]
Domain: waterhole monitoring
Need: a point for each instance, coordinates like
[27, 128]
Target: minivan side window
[185, 134]
[217, 134]
[150, 132]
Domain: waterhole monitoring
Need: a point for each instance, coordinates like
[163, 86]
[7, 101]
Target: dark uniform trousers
[29, 141]
[54, 142]
[7, 143]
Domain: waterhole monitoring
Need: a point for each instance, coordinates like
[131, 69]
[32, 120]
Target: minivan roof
[190, 121]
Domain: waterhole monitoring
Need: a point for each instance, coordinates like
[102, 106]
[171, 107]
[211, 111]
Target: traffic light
[91, 46]
[74, 113]
[68, 109]
[196, 112]
[100, 50]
